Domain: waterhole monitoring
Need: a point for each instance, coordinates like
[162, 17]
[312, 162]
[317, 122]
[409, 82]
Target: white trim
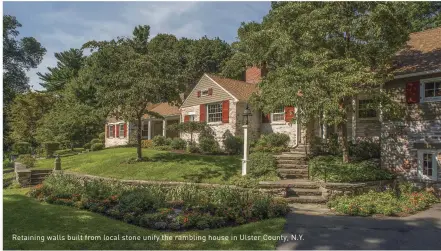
[423, 98]
[434, 164]
[417, 74]
[235, 99]
[275, 122]
[206, 112]
[119, 131]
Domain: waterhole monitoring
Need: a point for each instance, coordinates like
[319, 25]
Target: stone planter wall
[22, 174]
[330, 190]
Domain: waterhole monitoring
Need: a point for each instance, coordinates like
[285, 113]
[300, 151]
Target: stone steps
[293, 173]
[290, 156]
[293, 161]
[307, 199]
[292, 166]
[296, 192]
[289, 183]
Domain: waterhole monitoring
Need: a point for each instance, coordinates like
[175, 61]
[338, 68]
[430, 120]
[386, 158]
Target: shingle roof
[239, 89]
[422, 53]
[165, 109]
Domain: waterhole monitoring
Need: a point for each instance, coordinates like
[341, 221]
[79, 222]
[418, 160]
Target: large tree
[321, 55]
[19, 56]
[128, 77]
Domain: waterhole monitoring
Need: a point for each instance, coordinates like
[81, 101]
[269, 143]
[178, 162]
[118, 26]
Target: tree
[26, 111]
[190, 127]
[128, 77]
[423, 15]
[19, 56]
[320, 55]
[68, 65]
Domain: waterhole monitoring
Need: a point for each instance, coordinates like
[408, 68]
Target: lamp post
[246, 114]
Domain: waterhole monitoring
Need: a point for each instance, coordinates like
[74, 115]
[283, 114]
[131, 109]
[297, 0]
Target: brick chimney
[254, 74]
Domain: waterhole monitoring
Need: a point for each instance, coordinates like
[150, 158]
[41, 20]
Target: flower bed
[404, 201]
[162, 207]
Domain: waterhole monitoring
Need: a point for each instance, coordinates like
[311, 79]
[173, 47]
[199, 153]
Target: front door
[427, 165]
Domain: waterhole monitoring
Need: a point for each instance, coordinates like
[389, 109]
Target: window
[191, 117]
[278, 115]
[427, 164]
[111, 131]
[121, 130]
[365, 109]
[431, 89]
[204, 92]
[214, 112]
[145, 130]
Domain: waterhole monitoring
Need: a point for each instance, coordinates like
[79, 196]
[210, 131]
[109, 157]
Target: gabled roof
[421, 54]
[239, 89]
[165, 109]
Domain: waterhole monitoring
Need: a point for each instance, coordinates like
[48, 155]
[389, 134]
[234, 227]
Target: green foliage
[97, 147]
[178, 144]
[153, 205]
[273, 142]
[49, 148]
[95, 141]
[192, 147]
[261, 164]
[385, 203]
[329, 146]
[232, 144]
[159, 140]
[7, 163]
[146, 143]
[102, 136]
[365, 148]
[22, 148]
[27, 160]
[190, 127]
[168, 141]
[208, 144]
[249, 181]
[335, 170]
[68, 152]
[87, 146]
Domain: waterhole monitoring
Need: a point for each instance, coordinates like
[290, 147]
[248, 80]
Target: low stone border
[330, 190]
[8, 171]
[22, 174]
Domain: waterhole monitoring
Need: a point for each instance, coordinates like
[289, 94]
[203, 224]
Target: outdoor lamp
[246, 114]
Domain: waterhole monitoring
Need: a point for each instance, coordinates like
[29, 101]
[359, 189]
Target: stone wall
[330, 190]
[22, 174]
[281, 127]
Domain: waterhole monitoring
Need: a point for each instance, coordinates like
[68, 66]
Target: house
[221, 102]
[119, 132]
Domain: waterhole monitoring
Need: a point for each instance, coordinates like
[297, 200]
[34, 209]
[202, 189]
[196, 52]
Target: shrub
[208, 144]
[163, 148]
[329, 146]
[97, 147]
[22, 148]
[68, 151]
[145, 143]
[102, 136]
[27, 160]
[7, 163]
[49, 148]
[365, 148]
[192, 147]
[232, 144]
[168, 141]
[261, 164]
[335, 170]
[159, 140]
[95, 141]
[273, 142]
[87, 146]
[178, 144]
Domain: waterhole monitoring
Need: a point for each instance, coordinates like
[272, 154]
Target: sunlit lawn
[161, 165]
[26, 216]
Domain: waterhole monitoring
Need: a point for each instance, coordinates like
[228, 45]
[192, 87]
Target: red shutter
[106, 129]
[186, 118]
[225, 111]
[289, 113]
[266, 118]
[210, 91]
[202, 113]
[117, 131]
[125, 130]
[413, 92]
[198, 94]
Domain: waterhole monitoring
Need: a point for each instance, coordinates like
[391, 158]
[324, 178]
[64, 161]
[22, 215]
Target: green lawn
[26, 216]
[161, 166]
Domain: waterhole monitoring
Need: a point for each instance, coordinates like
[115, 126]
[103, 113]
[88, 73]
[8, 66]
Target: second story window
[431, 90]
[366, 109]
[278, 115]
[214, 112]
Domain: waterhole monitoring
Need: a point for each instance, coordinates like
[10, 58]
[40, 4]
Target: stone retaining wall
[330, 190]
[22, 174]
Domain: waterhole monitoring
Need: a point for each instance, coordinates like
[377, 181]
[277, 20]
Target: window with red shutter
[210, 91]
[202, 113]
[289, 113]
[225, 111]
[106, 129]
[117, 131]
[198, 94]
[266, 118]
[186, 118]
[125, 130]
[413, 92]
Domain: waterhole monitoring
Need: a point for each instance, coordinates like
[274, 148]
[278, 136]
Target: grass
[28, 217]
[161, 165]
[334, 170]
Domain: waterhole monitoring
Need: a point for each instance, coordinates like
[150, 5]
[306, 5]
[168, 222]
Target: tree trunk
[343, 134]
[138, 139]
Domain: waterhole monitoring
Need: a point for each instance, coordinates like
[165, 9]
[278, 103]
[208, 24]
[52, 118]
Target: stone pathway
[318, 230]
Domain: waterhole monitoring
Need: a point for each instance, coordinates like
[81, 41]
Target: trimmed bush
[65, 152]
[178, 144]
[364, 149]
[232, 144]
[273, 142]
[159, 140]
[192, 147]
[336, 170]
[7, 163]
[329, 146]
[97, 147]
[102, 136]
[208, 144]
[27, 160]
[49, 148]
[87, 146]
[95, 141]
[262, 164]
[22, 148]
[146, 143]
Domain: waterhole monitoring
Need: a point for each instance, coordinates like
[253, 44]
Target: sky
[59, 26]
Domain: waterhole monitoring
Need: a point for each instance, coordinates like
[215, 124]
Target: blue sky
[63, 25]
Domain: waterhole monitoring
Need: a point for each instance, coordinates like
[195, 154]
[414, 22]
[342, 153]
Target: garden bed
[400, 201]
[162, 207]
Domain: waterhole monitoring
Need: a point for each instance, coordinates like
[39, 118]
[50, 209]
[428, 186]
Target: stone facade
[281, 127]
